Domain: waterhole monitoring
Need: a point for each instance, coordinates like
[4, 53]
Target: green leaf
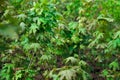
[73, 25]
[22, 16]
[117, 35]
[72, 60]
[82, 63]
[114, 65]
[34, 46]
[22, 25]
[45, 57]
[105, 72]
[69, 74]
[33, 28]
[18, 75]
[106, 19]
[75, 38]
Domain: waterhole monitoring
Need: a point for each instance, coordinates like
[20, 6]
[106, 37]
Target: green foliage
[60, 40]
[69, 74]
[7, 71]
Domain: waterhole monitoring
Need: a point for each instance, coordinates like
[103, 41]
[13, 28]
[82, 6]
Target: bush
[60, 40]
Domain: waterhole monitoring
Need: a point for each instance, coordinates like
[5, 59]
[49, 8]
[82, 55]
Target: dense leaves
[60, 40]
